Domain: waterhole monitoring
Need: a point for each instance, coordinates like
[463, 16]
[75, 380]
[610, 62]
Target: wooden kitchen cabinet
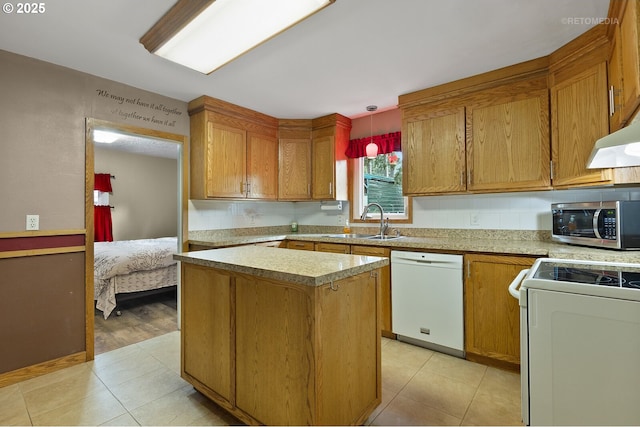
[303, 246]
[337, 248]
[329, 175]
[579, 117]
[508, 145]
[233, 152]
[294, 160]
[207, 332]
[614, 77]
[433, 150]
[630, 57]
[492, 315]
[385, 284]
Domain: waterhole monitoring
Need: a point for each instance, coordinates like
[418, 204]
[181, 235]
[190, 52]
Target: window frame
[357, 195]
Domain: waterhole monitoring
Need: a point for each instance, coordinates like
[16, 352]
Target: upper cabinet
[630, 57]
[329, 174]
[233, 152]
[295, 160]
[488, 133]
[433, 150]
[508, 138]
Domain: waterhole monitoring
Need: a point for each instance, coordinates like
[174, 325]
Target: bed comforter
[124, 257]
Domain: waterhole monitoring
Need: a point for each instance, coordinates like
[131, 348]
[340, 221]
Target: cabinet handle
[612, 105]
[331, 189]
[462, 178]
[248, 188]
[309, 189]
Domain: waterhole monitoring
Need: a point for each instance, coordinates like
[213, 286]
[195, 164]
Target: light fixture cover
[617, 150]
[228, 28]
[372, 150]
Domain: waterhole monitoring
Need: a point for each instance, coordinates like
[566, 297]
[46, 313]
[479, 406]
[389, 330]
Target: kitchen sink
[363, 236]
[351, 236]
[384, 237]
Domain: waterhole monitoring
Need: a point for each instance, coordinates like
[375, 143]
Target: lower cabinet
[492, 315]
[280, 353]
[385, 284]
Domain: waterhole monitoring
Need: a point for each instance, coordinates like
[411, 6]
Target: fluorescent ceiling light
[204, 35]
[617, 150]
[104, 136]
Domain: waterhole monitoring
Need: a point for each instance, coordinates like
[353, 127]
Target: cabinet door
[262, 167]
[323, 168]
[433, 152]
[492, 315]
[295, 169]
[630, 58]
[226, 161]
[207, 328]
[579, 116]
[616, 89]
[508, 145]
[385, 284]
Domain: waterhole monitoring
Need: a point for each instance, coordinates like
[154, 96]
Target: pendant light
[371, 148]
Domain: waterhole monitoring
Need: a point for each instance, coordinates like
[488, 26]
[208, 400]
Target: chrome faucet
[384, 225]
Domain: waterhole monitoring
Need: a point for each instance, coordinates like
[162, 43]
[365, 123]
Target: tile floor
[140, 384]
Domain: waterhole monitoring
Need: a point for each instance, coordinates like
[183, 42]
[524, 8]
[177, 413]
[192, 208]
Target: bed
[128, 266]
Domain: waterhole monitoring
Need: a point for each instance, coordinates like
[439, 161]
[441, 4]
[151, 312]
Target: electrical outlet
[474, 219]
[340, 219]
[33, 222]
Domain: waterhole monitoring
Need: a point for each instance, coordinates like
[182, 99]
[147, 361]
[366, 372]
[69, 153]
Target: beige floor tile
[147, 388]
[497, 401]
[166, 349]
[95, 408]
[387, 396]
[440, 392]
[184, 406]
[402, 411]
[13, 410]
[455, 368]
[127, 369]
[71, 385]
[403, 354]
[114, 357]
[122, 420]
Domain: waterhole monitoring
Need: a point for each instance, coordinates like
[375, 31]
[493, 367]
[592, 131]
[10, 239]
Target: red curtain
[102, 182]
[386, 143]
[102, 224]
[103, 231]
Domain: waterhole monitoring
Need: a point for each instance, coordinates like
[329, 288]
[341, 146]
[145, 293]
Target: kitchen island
[280, 336]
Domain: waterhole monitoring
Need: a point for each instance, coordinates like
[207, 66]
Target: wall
[42, 171]
[145, 194]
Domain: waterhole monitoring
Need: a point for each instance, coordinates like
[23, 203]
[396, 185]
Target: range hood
[617, 150]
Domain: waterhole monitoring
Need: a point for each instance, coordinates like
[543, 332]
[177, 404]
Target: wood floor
[141, 319]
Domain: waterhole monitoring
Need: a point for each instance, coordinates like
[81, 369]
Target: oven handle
[596, 216]
[513, 287]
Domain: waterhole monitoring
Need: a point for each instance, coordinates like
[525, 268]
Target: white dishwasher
[427, 300]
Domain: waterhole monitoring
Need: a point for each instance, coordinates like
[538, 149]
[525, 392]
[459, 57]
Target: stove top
[591, 274]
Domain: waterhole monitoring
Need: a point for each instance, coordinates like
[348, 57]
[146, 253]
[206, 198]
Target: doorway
[139, 134]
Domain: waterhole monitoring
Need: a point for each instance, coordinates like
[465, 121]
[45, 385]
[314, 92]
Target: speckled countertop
[482, 242]
[303, 267]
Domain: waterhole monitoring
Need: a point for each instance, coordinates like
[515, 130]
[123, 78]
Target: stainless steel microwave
[614, 225]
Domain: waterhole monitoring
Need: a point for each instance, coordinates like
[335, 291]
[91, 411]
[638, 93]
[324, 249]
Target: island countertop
[289, 265]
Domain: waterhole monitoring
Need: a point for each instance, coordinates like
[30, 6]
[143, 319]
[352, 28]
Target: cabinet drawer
[338, 248]
[304, 246]
[370, 250]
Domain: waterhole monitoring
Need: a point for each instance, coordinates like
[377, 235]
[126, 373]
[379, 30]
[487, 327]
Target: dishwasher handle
[513, 287]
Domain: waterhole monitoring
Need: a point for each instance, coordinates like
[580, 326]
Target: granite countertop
[458, 244]
[288, 265]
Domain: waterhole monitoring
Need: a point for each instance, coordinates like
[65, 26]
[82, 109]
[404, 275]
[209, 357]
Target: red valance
[386, 143]
[102, 182]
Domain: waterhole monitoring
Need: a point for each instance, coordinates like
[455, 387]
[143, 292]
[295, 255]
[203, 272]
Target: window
[379, 180]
